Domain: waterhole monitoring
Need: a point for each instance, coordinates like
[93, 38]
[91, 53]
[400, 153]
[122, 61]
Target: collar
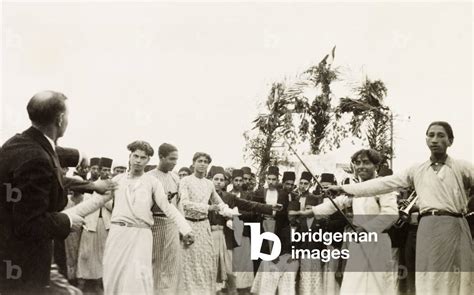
[446, 161]
[50, 141]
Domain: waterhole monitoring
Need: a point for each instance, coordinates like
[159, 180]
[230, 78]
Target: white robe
[369, 269]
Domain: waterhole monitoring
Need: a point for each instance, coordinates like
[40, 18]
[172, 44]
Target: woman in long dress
[199, 267]
[128, 250]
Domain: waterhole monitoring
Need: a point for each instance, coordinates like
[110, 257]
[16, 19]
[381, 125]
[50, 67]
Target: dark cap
[288, 175]
[237, 173]
[217, 170]
[95, 161]
[105, 162]
[328, 177]
[246, 170]
[273, 170]
[306, 176]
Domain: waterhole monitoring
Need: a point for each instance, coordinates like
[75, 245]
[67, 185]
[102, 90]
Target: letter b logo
[257, 240]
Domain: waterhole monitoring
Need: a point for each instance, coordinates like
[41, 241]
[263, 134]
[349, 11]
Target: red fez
[306, 176]
[237, 173]
[288, 175]
[105, 162]
[273, 170]
[95, 161]
[328, 177]
[246, 170]
[216, 170]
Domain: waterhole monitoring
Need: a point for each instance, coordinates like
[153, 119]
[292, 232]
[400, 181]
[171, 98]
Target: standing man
[444, 249]
[288, 180]
[94, 235]
[246, 177]
[118, 169]
[94, 169]
[31, 197]
[166, 246]
[237, 182]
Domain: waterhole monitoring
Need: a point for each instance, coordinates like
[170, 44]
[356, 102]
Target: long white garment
[128, 250]
[369, 269]
[444, 246]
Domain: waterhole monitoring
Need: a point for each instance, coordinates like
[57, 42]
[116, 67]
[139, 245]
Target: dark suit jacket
[244, 206]
[28, 226]
[281, 217]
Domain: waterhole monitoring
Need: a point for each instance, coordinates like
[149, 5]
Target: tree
[259, 146]
[370, 118]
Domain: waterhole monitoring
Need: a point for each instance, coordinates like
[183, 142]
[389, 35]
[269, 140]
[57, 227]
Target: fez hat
[273, 170]
[216, 170]
[237, 173]
[105, 162]
[95, 161]
[328, 177]
[306, 176]
[246, 170]
[288, 175]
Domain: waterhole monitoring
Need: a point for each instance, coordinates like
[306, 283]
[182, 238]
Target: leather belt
[121, 223]
[196, 219]
[159, 215]
[441, 213]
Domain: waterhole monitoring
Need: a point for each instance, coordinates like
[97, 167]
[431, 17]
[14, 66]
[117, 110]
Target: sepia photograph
[236, 147]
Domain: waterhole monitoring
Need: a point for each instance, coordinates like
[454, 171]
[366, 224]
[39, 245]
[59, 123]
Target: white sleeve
[327, 208]
[90, 205]
[381, 185]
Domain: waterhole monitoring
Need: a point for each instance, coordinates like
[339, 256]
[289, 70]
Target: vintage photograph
[236, 147]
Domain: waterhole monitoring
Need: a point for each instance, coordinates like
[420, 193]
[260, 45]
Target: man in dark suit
[32, 196]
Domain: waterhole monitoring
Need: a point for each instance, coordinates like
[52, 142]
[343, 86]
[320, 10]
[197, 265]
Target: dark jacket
[281, 217]
[28, 226]
[244, 206]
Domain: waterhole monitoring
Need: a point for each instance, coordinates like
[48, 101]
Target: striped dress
[166, 245]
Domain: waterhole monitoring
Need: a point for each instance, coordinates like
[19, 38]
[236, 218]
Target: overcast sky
[194, 74]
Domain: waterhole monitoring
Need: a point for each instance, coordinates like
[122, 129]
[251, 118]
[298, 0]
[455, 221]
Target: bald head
[45, 107]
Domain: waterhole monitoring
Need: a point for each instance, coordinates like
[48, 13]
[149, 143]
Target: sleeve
[79, 186]
[31, 219]
[90, 205]
[251, 206]
[381, 185]
[169, 210]
[388, 214]
[327, 208]
[185, 200]
[468, 175]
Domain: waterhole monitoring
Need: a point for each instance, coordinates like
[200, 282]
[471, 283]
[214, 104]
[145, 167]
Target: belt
[121, 223]
[217, 227]
[441, 213]
[159, 215]
[196, 219]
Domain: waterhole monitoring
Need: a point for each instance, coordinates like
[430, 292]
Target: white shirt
[272, 197]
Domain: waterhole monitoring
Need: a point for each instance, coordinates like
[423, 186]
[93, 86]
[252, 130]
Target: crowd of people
[145, 229]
